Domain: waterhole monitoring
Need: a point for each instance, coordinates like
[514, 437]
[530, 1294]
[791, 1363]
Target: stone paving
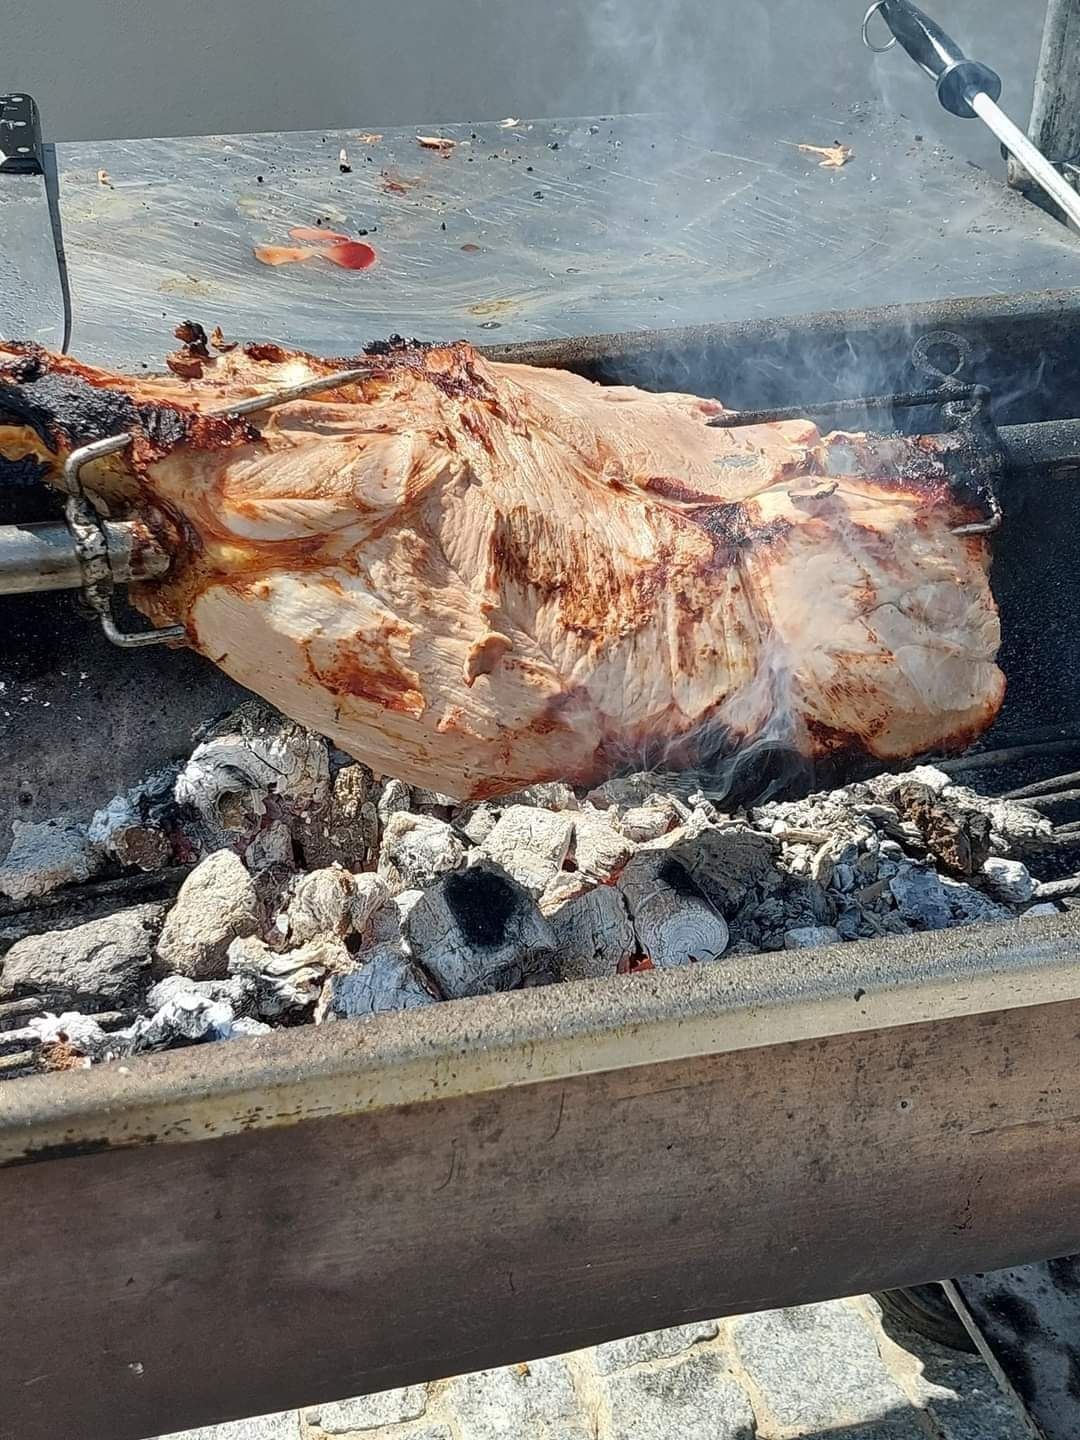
[823, 1372]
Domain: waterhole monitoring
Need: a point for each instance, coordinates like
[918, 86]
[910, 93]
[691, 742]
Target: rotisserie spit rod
[967, 88]
[45, 557]
[39, 557]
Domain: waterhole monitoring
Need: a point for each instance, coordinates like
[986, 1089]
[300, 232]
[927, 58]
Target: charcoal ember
[674, 922]
[641, 823]
[431, 802]
[344, 831]
[416, 850]
[628, 791]
[547, 795]
[476, 822]
[94, 966]
[1008, 880]
[392, 797]
[594, 934]
[319, 903]
[1040, 910]
[271, 850]
[477, 930]
[387, 980]
[969, 906]
[140, 827]
[530, 845]
[216, 904]
[386, 920]
[956, 835]
[289, 980]
[731, 864]
[810, 937]
[567, 885]
[44, 855]
[921, 898]
[18, 1042]
[251, 764]
[780, 902]
[1014, 826]
[851, 924]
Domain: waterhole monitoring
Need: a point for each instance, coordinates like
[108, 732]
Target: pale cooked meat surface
[476, 576]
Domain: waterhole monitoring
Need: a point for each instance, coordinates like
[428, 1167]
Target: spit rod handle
[938, 55]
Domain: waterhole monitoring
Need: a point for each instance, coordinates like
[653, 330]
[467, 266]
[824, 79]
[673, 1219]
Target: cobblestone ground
[823, 1372]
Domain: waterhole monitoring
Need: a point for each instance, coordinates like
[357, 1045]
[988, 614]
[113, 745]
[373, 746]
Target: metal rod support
[1032, 159]
[1055, 105]
[42, 557]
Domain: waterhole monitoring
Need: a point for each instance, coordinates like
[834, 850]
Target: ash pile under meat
[279, 883]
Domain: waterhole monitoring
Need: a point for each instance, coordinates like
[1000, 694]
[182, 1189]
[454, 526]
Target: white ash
[370, 895]
[216, 904]
[185, 1017]
[477, 822]
[530, 845]
[567, 885]
[44, 855]
[1009, 880]
[136, 828]
[290, 980]
[641, 823]
[235, 990]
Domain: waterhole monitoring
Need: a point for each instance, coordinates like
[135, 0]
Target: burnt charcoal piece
[957, 837]
[477, 931]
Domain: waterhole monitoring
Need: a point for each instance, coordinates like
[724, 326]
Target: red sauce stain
[471, 249]
[339, 249]
[351, 255]
[283, 254]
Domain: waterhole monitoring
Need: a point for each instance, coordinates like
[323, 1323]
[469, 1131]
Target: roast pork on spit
[476, 576]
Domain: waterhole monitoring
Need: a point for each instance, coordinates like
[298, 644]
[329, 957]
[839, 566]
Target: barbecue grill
[538, 1170]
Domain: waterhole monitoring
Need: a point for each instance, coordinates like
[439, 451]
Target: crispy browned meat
[477, 576]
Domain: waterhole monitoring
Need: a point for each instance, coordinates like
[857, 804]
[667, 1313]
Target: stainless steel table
[582, 225]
